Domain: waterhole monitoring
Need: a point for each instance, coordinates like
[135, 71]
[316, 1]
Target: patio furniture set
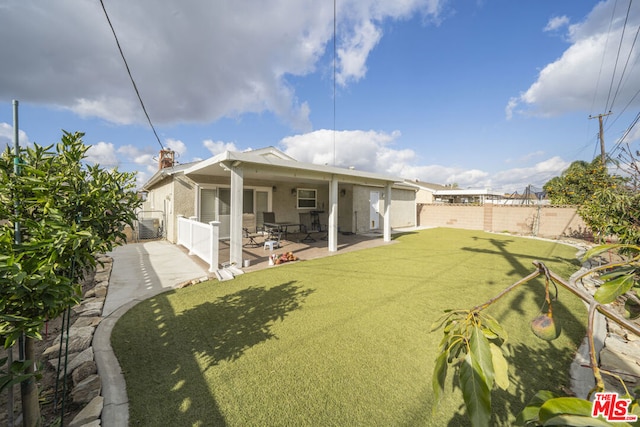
[273, 231]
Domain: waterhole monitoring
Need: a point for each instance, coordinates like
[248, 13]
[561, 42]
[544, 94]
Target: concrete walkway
[140, 271]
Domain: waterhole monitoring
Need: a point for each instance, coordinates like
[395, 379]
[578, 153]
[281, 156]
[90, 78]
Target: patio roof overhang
[260, 167]
[271, 166]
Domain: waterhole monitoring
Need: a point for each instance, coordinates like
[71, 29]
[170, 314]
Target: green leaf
[439, 376]
[564, 406]
[531, 412]
[500, 367]
[477, 397]
[492, 324]
[601, 249]
[617, 272]
[482, 354]
[442, 320]
[609, 291]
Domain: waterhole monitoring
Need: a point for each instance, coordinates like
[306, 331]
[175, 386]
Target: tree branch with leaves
[67, 213]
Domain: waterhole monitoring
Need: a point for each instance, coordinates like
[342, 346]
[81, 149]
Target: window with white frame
[307, 198]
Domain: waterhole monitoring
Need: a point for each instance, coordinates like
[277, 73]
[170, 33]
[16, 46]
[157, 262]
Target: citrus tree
[608, 203]
[64, 212]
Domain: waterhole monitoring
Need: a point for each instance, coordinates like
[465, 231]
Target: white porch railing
[201, 239]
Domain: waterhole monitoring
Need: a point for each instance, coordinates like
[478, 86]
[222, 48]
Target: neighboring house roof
[468, 192]
[428, 186]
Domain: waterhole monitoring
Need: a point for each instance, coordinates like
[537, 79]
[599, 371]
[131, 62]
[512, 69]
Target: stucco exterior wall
[543, 220]
[183, 204]
[361, 200]
[345, 208]
[403, 211]
[424, 196]
[161, 199]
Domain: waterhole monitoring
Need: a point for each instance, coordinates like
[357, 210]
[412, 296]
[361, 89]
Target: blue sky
[487, 94]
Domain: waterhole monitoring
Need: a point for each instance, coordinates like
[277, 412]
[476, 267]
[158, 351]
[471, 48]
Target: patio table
[280, 227]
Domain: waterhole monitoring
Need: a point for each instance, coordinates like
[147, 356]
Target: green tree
[608, 203]
[67, 212]
[578, 182]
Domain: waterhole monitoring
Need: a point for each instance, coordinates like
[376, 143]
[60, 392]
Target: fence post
[180, 237]
[214, 234]
[191, 239]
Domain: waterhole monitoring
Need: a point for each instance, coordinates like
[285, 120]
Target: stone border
[618, 350]
[81, 364]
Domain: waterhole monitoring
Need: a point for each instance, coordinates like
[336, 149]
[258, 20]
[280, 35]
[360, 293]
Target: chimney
[166, 159]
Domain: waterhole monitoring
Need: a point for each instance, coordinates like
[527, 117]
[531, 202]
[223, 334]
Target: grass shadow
[191, 341]
[222, 330]
[541, 374]
[532, 368]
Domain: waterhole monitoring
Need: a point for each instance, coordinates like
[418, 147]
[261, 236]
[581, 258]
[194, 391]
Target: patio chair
[268, 217]
[307, 227]
[252, 238]
[273, 232]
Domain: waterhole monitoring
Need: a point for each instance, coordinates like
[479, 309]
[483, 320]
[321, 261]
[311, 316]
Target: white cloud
[556, 23]
[191, 61]
[217, 147]
[375, 151]
[6, 137]
[511, 106]
[537, 175]
[138, 156]
[176, 145]
[364, 150]
[102, 153]
[527, 157]
[580, 79]
[352, 57]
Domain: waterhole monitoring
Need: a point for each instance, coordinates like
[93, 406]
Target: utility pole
[603, 153]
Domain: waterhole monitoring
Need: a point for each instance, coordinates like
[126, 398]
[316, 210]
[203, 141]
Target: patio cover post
[235, 223]
[387, 213]
[333, 215]
[214, 236]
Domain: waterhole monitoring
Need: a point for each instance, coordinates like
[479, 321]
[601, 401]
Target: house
[235, 188]
[428, 193]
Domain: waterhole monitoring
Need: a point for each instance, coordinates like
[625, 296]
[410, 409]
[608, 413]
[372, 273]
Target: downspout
[387, 213]
[333, 215]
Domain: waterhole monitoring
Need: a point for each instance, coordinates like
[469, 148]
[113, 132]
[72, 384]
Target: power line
[615, 67]
[626, 133]
[624, 109]
[135, 87]
[604, 52]
[625, 67]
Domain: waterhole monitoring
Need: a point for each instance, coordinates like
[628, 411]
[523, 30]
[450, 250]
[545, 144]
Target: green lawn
[343, 340]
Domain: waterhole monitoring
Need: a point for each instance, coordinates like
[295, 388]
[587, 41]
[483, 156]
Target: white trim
[315, 198]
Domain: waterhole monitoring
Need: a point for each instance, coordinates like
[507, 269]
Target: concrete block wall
[563, 221]
[513, 218]
[543, 221]
[451, 215]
